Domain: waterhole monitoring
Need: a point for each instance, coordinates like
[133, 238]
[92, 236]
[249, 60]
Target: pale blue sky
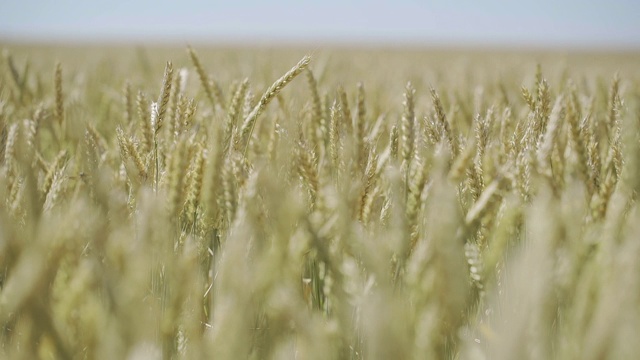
[586, 23]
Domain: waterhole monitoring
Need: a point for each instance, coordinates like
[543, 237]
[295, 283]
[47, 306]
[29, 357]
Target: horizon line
[289, 41]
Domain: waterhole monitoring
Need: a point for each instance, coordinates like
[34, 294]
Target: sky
[570, 23]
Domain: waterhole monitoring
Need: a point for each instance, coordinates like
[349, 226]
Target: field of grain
[291, 203]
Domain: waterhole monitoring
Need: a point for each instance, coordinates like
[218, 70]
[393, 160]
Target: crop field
[200, 202]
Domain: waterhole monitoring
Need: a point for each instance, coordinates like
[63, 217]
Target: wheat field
[233, 203]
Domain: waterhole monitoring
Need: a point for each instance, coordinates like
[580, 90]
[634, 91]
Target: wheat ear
[442, 120]
[163, 100]
[316, 111]
[59, 96]
[577, 141]
[359, 128]
[234, 112]
[334, 135]
[393, 142]
[204, 79]
[344, 106]
[179, 162]
[194, 186]
[158, 111]
[549, 139]
[246, 131]
[51, 172]
[408, 125]
[144, 116]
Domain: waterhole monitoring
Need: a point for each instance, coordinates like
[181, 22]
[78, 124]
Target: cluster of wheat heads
[241, 221]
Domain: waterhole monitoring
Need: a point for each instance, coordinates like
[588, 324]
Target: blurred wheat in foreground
[300, 213]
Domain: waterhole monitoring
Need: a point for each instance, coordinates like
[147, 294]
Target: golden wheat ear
[246, 130]
[163, 99]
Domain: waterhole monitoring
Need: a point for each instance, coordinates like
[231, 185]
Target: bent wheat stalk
[250, 122]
